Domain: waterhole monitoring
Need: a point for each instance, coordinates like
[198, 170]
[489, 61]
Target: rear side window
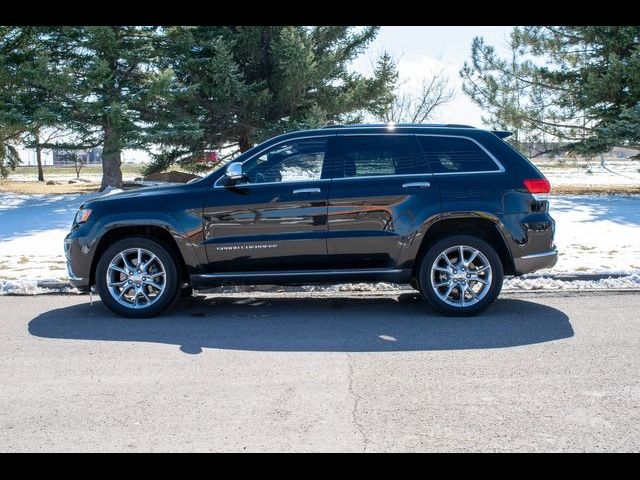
[375, 155]
[454, 154]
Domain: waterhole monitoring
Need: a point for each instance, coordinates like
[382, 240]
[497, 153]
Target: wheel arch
[484, 227]
[155, 232]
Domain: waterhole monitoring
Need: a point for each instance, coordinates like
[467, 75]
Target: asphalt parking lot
[308, 372]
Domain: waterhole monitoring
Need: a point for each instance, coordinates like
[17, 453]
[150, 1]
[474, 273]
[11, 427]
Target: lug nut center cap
[136, 277]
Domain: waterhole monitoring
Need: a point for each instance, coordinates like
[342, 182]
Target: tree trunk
[111, 161]
[244, 142]
[36, 137]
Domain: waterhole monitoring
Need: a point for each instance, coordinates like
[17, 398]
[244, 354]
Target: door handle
[416, 185]
[306, 190]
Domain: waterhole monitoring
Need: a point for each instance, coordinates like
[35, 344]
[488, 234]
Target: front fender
[184, 227]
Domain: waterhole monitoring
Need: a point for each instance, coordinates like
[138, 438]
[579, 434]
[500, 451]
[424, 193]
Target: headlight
[82, 215]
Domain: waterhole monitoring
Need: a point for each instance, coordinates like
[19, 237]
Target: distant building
[65, 157]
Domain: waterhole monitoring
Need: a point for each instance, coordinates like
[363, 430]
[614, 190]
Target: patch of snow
[31, 287]
[354, 287]
[110, 191]
[32, 231]
[547, 283]
[597, 234]
[581, 172]
[149, 183]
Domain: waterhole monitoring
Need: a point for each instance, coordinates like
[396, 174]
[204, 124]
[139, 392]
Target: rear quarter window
[455, 155]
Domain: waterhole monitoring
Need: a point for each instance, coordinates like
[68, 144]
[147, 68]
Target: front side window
[377, 155]
[455, 154]
[294, 161]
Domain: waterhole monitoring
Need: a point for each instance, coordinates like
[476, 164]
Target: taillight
[538, 187]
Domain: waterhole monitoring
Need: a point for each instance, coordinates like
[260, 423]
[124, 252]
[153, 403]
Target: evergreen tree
[9, 158]
[580, 85]
[10, 129]
[114, 79]
[29, 87]
[236, 86]
[94, 82]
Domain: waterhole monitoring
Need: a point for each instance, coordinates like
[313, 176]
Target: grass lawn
[595, 189]
[69, 170]
[30, 188]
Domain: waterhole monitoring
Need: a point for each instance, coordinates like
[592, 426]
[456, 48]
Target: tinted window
[452, 154]
[370, 155]
[298, 160]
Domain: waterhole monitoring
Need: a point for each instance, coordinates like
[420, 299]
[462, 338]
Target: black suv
[450, 209]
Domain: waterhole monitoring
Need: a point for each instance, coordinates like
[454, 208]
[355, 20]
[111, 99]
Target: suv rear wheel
[460, 275]
[137, 277]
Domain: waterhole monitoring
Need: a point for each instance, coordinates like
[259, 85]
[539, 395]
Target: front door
[382, 190]
[275, 220]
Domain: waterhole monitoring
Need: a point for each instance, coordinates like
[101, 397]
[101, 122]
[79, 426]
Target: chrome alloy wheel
[461, 276]
[136, 278]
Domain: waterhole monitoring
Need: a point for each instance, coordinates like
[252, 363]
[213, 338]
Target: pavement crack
[356, 401]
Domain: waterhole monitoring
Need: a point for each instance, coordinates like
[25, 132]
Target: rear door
[467, 173]
[381, 190]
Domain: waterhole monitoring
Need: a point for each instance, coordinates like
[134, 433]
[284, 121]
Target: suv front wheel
[460, 275]
[137, 277]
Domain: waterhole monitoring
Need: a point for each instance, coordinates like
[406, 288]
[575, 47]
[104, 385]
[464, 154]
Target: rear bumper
[535, 261]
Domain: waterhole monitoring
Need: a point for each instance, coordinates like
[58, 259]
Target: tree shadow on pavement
[373, 324]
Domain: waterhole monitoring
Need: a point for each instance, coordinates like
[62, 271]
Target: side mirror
[234, 172]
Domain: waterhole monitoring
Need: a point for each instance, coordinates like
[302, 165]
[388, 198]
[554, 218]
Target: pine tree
[11, 129]
[580, 85]
[101, 83]
[9, 158]
[28, 95]
[236, 86]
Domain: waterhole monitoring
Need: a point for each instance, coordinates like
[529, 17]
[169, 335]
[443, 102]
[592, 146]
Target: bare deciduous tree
[79, 161]
[41, 138]
[420, 106]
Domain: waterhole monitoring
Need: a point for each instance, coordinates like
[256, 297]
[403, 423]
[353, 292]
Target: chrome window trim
[257, 154]
[292, 182]
[501, 168]
[402, 175]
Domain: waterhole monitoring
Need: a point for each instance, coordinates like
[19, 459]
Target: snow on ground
[595, 235]
[32, 230]
[582, 172]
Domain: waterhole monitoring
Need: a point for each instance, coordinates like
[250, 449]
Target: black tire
[164, 300]
[186, 292]
[432, 254]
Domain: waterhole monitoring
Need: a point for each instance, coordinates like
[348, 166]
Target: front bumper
[535, 261]
[78, 254]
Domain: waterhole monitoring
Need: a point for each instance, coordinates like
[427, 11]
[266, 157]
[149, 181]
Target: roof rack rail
[452, 125]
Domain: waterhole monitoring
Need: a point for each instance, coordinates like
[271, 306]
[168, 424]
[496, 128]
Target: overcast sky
[418, 50]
